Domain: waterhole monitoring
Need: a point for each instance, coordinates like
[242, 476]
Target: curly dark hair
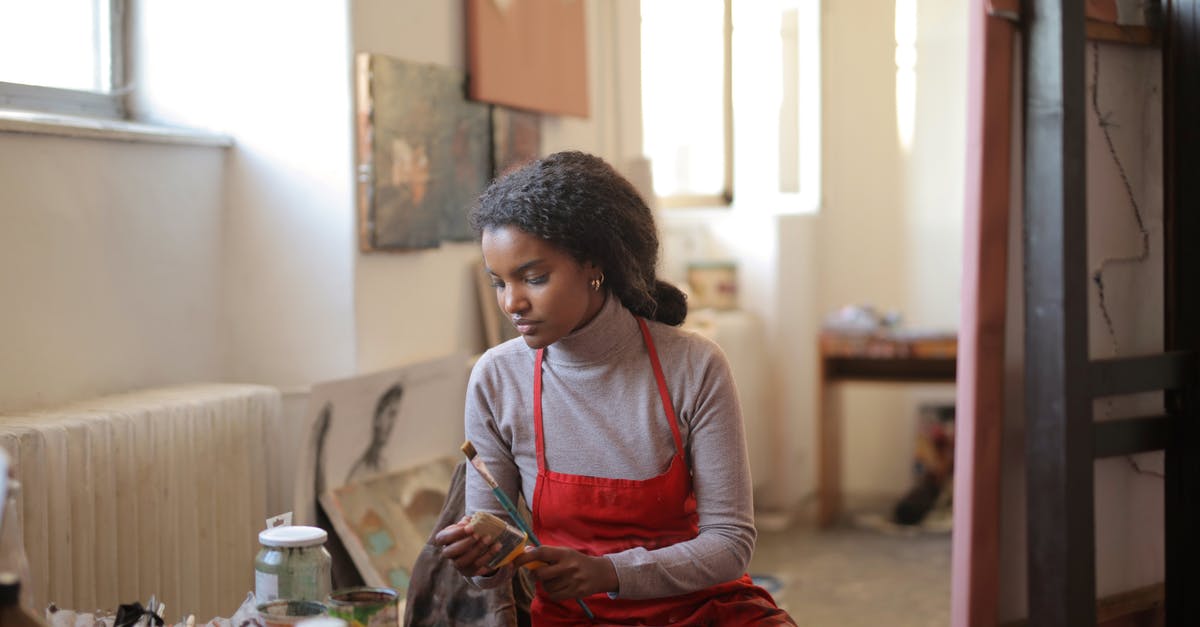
[579, 203]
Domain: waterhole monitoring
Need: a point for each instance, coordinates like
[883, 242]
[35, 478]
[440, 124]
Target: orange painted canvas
[528, 54]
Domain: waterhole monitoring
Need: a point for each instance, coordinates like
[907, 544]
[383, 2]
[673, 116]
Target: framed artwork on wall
[423, 154]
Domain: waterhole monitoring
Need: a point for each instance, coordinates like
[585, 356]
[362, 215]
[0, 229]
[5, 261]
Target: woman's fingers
[468, 552]
[568, 573]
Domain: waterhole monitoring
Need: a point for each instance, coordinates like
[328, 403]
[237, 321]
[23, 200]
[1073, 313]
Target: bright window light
[57, 43]
[683, 96]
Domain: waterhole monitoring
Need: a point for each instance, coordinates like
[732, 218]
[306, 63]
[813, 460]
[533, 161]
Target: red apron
[598, 516]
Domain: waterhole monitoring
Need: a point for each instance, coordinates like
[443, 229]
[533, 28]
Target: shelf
[1115, 33]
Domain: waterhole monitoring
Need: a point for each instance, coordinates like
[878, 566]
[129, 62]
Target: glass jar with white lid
[292, 564]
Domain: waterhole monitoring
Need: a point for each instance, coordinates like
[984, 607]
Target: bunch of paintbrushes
[468, 449]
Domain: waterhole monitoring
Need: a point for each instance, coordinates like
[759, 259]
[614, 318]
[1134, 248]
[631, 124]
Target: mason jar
[292, 564]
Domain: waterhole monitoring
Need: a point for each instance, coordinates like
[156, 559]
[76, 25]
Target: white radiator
[157, 492]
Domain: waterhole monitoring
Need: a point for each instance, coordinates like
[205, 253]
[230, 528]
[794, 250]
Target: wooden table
[899, 357]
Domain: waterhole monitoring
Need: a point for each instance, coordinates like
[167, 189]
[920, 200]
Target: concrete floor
[852, 575]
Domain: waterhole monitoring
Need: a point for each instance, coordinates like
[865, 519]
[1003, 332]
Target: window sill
[32, 122]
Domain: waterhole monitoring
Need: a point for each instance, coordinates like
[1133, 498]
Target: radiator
[159, 492]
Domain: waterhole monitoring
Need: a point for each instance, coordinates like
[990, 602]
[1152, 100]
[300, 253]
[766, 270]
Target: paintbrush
[468, 449]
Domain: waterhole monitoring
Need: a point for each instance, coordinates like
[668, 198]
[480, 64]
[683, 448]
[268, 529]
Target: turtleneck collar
[598, 340]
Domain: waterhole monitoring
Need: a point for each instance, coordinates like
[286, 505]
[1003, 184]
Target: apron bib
[598, 516]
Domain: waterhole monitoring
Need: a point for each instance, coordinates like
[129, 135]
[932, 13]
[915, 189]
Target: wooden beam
[1060, 542]
[1147, 373]
[1130, 435]
[1134, 608]
[1181, 231]
[1121, 34]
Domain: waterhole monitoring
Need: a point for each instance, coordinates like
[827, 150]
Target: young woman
[622, 431]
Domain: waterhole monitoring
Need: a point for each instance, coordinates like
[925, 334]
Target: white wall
[277, 80]
[130, 265]
[111, 262]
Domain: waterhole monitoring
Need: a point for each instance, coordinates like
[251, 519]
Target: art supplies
[287, 612]
[472, 455]
[512, 540]
[366, 606]
[292, 564]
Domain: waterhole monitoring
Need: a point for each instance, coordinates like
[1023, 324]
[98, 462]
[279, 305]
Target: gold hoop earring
[597, 282]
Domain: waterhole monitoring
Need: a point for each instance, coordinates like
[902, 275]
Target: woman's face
[543, 290]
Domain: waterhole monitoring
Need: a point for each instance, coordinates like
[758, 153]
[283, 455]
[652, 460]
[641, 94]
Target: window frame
[55, 100]
[806, 178]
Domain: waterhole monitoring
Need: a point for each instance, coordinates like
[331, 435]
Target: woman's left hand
[569, 574]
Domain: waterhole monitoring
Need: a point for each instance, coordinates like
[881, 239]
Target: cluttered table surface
[880, 355]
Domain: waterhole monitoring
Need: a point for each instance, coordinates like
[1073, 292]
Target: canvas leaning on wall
[384, 521]
[371, 425]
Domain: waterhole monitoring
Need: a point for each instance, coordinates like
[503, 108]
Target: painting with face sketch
[369, 425]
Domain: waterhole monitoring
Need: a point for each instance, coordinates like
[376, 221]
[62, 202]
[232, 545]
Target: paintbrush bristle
[487, 524]
[468, 449]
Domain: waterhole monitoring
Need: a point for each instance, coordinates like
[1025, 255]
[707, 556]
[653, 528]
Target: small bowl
[365, 606]
[285, 612]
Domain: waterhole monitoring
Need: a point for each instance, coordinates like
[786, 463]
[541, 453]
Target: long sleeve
[604, 418]
[721, 479]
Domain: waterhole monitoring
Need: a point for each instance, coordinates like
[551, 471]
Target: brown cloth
[439, 596]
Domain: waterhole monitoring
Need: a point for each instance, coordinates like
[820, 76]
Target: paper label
[266, 586]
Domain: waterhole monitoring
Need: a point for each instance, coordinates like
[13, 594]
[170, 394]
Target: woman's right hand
[468, 551]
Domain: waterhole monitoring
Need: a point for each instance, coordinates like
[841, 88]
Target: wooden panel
[979, 402]
[528, 54]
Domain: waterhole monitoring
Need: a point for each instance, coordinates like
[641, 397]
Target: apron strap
[662, 386]
[537, 411]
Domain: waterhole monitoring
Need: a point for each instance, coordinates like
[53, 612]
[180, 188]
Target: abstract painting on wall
[423, 154]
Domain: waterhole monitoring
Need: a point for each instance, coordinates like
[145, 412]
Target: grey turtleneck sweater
[603, 417]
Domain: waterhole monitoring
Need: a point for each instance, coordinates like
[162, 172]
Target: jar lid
[292, 536]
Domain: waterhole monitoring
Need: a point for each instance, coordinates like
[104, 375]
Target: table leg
[829, 466]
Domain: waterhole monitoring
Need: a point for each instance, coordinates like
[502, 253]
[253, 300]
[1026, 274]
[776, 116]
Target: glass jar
[292, 564]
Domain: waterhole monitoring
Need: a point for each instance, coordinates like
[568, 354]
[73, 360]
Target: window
[728, 83]
[63, 56]
[684, 100]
